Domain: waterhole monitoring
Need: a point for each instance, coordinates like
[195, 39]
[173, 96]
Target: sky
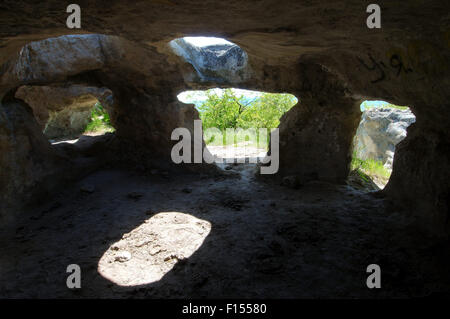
[198, 97]
[205, 41]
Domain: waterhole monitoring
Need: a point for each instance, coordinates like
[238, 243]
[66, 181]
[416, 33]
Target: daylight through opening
[382, 127]
[68, 112]
[214, 60]
[237, 123]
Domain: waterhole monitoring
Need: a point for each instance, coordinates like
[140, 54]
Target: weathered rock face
[220, 63]
[321, 52]
[30, 169]
[62, 112]
[28, 163]
[316, 133]
[422, 158]
[54, 59]
[379, 131]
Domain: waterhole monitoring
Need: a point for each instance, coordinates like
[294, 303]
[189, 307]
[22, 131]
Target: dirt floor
[239, 152]
[227, 235]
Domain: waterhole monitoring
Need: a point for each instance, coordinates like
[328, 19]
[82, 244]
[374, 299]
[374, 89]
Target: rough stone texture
[220, 63]
[27, 159]
[316, 134]
[379, 131]
[173, 237]
[419, 177]
[259, 241]
[53, 59]
[404, 63]
[143, 116]
[62, 111]
[317, 139]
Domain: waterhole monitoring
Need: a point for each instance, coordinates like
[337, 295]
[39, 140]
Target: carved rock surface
[320, 51]
[217, 63]
[62, 111]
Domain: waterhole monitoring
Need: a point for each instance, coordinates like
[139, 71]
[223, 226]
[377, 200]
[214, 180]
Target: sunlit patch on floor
[151, 250]
[239, 152]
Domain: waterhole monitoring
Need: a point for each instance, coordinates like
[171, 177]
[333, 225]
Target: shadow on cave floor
[265, 241]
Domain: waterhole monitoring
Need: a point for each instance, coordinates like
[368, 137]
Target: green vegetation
[371, 168]
[100, 121]
[367, 105]
[231, 111]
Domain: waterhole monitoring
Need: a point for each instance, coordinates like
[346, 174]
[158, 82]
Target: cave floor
[195, 236]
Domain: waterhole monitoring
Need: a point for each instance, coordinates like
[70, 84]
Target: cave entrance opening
[382, 127]
[69, 112]
[237, 123]
[92, 123]
[213, 60]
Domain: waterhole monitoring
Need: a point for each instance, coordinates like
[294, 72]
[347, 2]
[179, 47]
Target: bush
[100, 121]
[266, 111]
[231, 111]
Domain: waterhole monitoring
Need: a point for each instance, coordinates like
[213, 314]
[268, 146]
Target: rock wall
[220, 63]
[419, 177]
[28, 164]
[61, 73]
[379, 131]
[406, 62]
[316, 133]
[62, 111]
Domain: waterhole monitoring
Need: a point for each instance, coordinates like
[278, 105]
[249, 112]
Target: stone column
[316, 138]
[420, 181]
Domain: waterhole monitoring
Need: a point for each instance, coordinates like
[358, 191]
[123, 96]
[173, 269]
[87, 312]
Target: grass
[100, 121]
[370, 167]
[398, 107]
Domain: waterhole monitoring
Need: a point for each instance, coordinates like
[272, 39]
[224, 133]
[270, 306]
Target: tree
[222, 111]
[230, 111]
[267, 110]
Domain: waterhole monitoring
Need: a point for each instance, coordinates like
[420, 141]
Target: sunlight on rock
[151, 250]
